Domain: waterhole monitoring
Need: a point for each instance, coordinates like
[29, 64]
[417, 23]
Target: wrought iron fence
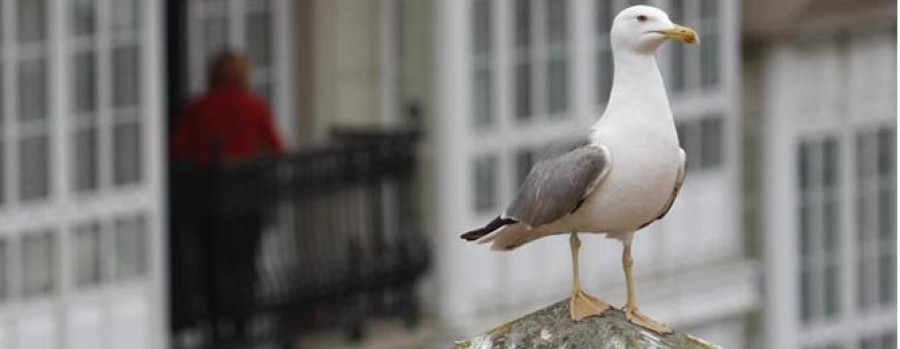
[264, 251]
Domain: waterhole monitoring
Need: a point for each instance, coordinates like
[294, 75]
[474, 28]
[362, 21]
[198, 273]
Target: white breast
[643, 173]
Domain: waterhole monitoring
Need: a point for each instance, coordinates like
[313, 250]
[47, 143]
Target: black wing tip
[487, 229]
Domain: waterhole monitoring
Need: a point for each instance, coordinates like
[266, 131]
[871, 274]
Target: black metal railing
[264, 251]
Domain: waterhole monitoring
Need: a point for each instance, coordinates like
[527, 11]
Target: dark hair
[229, 68]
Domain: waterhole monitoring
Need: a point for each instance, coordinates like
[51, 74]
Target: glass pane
[711, 142]
[830, 163]
[84, 83]
[126, 73]
[888, 277]
[86, 160]
[215, 35]
[38, 264]
[556, 20]
[605, 14]
[889, 340]
[124, 14]
[523, 90]
[259, 39]
[832, 289]
[604, 73]
[887, 215]
[523, 24]
[864, 148]
[481, 26]
[4, 271]
[3, 169]
[805, 230]
[887, 145]
[34, 167]
[131, 244]
[483, 97]
[709, 10]
[709, 60]
[524, 162]
[31, 19]
[830, 226]
[127, 153]
[485, 183]
[558, 86]
[32, 90]
[804, 159]
[805, 295]
[83, 17]
[88, 267]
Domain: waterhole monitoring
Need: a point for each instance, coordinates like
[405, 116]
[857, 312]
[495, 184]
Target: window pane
[259, 39]
[558, 89]
[31, 19]
[485, 183]
[127, 153]
[888, 278]
[126, 73]
[604, 73]
[805, 295]
[805, 230]
[832, 289]
[524, 162]
[4, 271]
[556, 20]
[605, 14]
[34, 167]
[131, 242]
[709, 60]
[829, 163]
[887, 214]
[887, 145]
[483, 97]
[84, 83]
[88, 267]
[523, 24]
[889, 340]
[83, 17]
[711, 142]
[3, 169]
[830, 226]
[523, 90]
[215, 36]
[38, 266]
[124, 14]
[481, 26]
[32, 90]
[804, 159]
[86, 159]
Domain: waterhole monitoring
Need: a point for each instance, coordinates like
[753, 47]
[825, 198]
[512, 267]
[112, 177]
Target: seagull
[620, 176]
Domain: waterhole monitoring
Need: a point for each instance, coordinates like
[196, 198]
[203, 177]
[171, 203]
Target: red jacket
[226, 124]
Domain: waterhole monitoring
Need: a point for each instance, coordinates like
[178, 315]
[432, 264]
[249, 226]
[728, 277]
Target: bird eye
[641, 18]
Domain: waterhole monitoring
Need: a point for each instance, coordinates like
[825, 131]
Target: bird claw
[636, 317]
[583, 305]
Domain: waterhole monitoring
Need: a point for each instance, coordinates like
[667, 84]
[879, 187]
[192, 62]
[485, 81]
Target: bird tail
[495, 224]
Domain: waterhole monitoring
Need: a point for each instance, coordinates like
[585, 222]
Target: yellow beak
[685, 34]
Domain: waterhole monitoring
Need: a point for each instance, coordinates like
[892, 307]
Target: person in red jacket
[228, 123]
[217, 230]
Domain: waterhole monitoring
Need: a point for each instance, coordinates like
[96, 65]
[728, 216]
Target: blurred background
[309, 191]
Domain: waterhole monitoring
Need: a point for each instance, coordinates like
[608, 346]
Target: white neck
[638, 91]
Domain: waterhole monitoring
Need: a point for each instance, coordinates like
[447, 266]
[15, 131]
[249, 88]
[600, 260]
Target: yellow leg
[631, 311]
[582, 305]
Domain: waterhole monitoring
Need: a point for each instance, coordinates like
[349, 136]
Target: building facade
[81, 163]
[825, 90]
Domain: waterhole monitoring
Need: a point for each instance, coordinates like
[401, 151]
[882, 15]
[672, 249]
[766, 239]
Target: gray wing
[557, 186]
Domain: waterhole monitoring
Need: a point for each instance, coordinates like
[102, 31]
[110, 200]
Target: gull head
[642, 29]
